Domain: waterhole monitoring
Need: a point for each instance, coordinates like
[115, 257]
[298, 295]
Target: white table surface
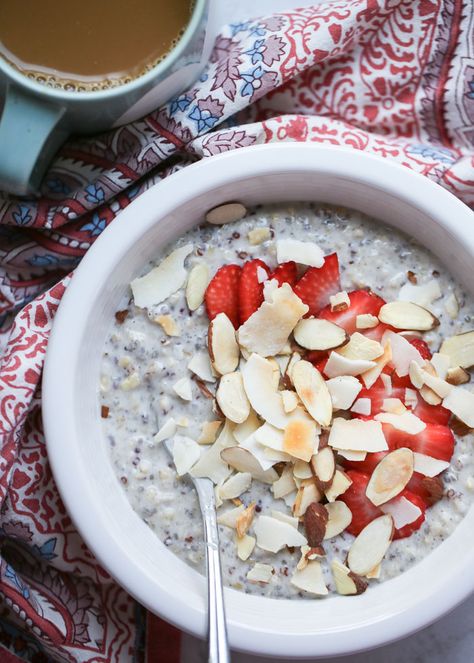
[451, 639]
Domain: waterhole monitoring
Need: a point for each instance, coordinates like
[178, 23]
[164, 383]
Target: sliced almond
[273, 534]
[319, 334]
[451, 306]
[310, 579]
[186, 453]
[232, 398]
[394, 405]
[460, 402]
[265, 400]
[315, 520]
[459, 349]
[312, 390]
[244, 520]
[422, 294]
[428, 466]
[289, 399]
[243, 461]
[183, 388]
[306, 495]
[209, 432]
[260, 573]
[337, 365]
[285, 484]
[457, 376]
[402, 511]
[226, 213]
[340, 301]
[347, 583]
[421, 377]
[245, 546]
[249, 426]
[267, 330]
[235, 486]
[303, 253]
[390, 476]
[339, 485]
[168, 324]
[375, 573]
[441, 364]
[362, 406]
[294, 359]
[361, 347]
[387, 383]
[406, 422]
[357, 435]
[352, 455]
[366, 321]
[370, 545]
[210, 464]
[339, 518]
[200, 365]
[302, 470]
[324, 468]
[166, 431]
[371, 376]
[223, 347]
[198, 280]
[406, 315]
[343, 390]
[229, 518]
[162, 281]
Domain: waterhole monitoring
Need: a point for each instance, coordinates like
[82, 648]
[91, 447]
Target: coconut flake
[403, 353]
[235, 485]
[229, 518]
[200, 365]
[186, 453]
[184, 389]
[428, 466]
[423, 295]
[357, 435]
[338, 365]
[210, 464]
[303, 253]
[313, 392]
[362, 406]
[273, 534]
[162, 281]
[339, 517]
[310, 579]
[285, 484]
[460, 402]
[285, 518]
[402, 511]
[260, 573]
[264, 398]
[166, 431]
[343, 390]
[245, 546]
[406, 422]
[366, 321]
[361, 347]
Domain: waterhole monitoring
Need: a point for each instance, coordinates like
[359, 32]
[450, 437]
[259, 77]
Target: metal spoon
[218, 646]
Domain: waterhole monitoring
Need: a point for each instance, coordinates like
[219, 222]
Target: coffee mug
[37, 119]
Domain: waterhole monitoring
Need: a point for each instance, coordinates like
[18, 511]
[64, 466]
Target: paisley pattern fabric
[392, 77]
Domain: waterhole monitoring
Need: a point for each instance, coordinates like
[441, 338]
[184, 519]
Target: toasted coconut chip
[186, 453]
[244, 520]
[249, 426]
[243, 461]
[403, 353]
[440, 364]
[275, 456]
[339, 518]
[451, 306]
[387, 383]
[184, 389]
[265, 400]
[407, 316]
[423, 295]
[357, 435]
[411, 399]
[229, 517]
[406, 422]
[258, 235]
[428, 466]
[370, 545]
[460, 402]
[347, 583]
[226, 213]
[394, 405]
[362, 406]
[290, 400]
[402, 511]
[459, 349]
[312, 390]
[209, 432]
[337, 365]
[300, 438]
[200, 365]
[457, 376]
[324, 467]
[319, 334]
[366, 321]
[260, 573]
[430, 396]
[285, 484]
[273, 534]
[285, 518]
[198, 280]
[310, 579]
[294, 359]
[162, 281]
[306, 495]
[375, 573]
[352, 455]
[340, 301]
[245, 546]
[235, 486]
[168, 324]
[232, 398]
[303, 253]
[210, 464]
[421, 377]
[267, 330]
[390, 476]
[343, 390]
[166, 431]
[223, 347]
[339, 485]
[371, 376]
[261, 453]
[361, 347]
[302, 470]
[269, 436]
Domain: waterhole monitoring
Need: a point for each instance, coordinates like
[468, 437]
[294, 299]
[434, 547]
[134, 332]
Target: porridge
[325, 427]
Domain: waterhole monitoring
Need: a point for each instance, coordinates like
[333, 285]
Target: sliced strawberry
[422, 347]
[435, 440]
[362, 509]
[250, 289]
[285, 273]
[411, 527]
[317, 357]
[377, 394]
[430, 489]
[318, 283]
[222, 294]
[432, 414]
[362, 301]
[367, 465]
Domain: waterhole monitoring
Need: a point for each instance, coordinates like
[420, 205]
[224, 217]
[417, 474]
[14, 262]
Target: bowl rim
[445, 210]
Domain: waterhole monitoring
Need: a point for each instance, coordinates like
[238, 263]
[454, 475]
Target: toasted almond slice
[406, 315]
[459, 349]
[340, 301]
[390, 476]
[232, 398]
[200, 365]
[337, 365]
[460, 402]
[312, 390]
[229, 517]
[290, 400]
[243, 461]
[429, 466]
[209, 432]
[302, 470]
[339, 517]
[441, 364]
[223, 347]
[186, 453]
[265, 400]
[422, 294]
[339, 485]
[324, 466]
[183, 388]
[273, 534]
[166, 431]
[249, 426]
[361, 347]
[357, 435]
[294, 359]
[352, 455]
[406, 422]
[402, 511]
[375, 573]
[429, 396]
[168, 324]
[303, 253]
[366, 321]
[196, 286]
[226, 213]
[306, 495]
[403, 353]
[370, 545]
[244, 520]
[310, 579]
[162, 281]
[343, 390]
[260, 573]
[362, 406]
[285, 484]
[319, 334]
[235, 485]
[394, 405]
[267, 330]
[300, 438]
[210, 464]
[457, 376]
[245, 546]
[347, 583]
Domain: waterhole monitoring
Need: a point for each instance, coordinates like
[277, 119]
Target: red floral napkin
[392, 77]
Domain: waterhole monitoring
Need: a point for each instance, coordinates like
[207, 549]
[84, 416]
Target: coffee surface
[90, 44]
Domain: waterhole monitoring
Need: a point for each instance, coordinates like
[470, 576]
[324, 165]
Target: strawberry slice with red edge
[408, 530]
[430, 489]
[318, 283]
[435, 440]
[250, 289]
[361, 301]
[286, 272]
[422, 347]
[222, 293]
[362, 509]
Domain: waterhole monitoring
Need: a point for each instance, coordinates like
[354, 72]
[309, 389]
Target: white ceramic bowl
[120, 540]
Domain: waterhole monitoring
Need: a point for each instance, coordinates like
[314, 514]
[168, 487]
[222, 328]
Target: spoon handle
[218, 647]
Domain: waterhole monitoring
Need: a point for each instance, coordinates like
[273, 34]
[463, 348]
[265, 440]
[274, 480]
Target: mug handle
[30, 135]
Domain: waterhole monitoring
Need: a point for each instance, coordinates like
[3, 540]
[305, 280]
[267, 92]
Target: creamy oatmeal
[146, 384]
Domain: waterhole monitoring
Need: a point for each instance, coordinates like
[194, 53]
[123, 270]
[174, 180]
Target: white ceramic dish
[120, 540]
